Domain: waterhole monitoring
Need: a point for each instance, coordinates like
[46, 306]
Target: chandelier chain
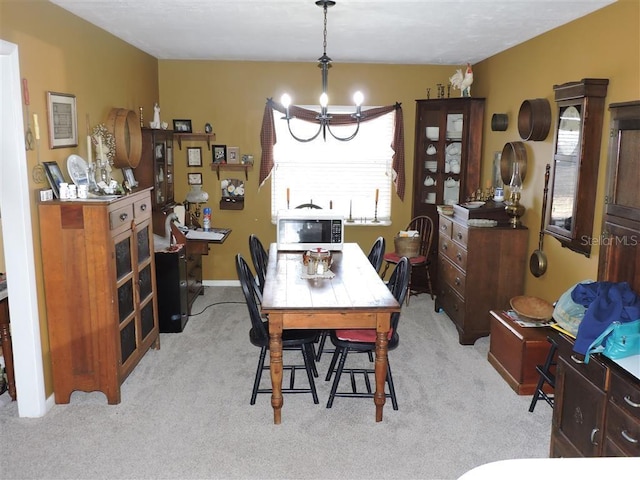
[324, 32]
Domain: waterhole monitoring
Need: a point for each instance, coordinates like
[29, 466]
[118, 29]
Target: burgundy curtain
[268, 136]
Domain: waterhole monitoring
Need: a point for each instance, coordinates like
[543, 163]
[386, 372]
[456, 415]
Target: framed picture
[194, 157]
[194, 178]
[54, 175]
[182, 126]
[233, 155]
[247, 159]
[127, 173]
[219, 154]
[63, 120]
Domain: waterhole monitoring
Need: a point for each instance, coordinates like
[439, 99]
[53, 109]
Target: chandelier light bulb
[358, 98]
[324, 99]
[285, 100]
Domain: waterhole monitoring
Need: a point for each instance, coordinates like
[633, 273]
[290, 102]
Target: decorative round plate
[78, 170]
[533, 308]
[473, 204]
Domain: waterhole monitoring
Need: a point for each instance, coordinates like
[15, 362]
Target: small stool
[545, 376]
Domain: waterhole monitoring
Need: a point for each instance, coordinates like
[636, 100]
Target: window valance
[268, 136]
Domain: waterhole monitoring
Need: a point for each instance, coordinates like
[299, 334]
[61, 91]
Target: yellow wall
[605, 44]
[59, 52]
[232, 95]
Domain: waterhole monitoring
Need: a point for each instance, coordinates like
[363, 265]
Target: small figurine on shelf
[463, 82]
[156, 116]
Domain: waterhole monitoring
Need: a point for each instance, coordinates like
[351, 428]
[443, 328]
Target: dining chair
[301, 340]
[260, 259]
[375, 258]
[376, 254]
[364, 341]
[424, 226]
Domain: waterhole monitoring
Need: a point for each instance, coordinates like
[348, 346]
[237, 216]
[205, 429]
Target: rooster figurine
[463, 82]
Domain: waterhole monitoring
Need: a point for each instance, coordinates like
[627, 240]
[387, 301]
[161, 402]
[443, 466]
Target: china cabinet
[597, 410]
[156, 170]
[621, 221]
[574, 172]
[447, 157]
[99, 278]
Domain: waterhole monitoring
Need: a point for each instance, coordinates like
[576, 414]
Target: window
[341, 175]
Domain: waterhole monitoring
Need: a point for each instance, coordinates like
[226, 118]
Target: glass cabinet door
[160, 173]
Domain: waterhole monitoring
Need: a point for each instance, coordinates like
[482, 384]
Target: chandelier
[324, 118]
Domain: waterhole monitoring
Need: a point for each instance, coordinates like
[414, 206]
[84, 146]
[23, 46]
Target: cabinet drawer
[452, 276]
[625, 394]
[460, 234]
[452, 304]
[453, 252]
[623, 430]
[121, 216]
[142, 209]
[445, 226]
[594, 371]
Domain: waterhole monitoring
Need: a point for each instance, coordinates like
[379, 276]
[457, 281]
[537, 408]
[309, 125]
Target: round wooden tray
[533, 308]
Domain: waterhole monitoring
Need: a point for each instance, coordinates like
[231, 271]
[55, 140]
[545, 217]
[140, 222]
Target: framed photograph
[233, 155]
[54, 175]
[219, 154]
[127, 173]
[182, 126]
[194, 157]
[194, 178]
[63, 120]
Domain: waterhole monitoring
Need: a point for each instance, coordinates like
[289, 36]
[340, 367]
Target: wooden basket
[407, 246]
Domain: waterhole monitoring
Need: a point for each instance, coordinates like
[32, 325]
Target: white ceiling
[446, 32]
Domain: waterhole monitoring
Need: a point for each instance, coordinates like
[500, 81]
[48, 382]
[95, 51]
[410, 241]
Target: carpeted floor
[185, 413]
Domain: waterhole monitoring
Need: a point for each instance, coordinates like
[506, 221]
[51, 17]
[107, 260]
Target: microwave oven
[308, 229]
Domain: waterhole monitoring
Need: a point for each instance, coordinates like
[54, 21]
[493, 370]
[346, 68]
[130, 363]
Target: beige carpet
[185, 413]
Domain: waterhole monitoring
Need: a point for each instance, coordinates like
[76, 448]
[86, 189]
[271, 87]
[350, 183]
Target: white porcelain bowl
[433, 133]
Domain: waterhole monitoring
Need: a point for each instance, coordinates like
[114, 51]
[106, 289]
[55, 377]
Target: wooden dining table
[355, 297]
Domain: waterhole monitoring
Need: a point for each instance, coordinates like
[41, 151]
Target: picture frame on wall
[194, 178]
[181, 126]
[62, 119]
[219, 153]
[54, 176]
[233, 155]
[194, 156]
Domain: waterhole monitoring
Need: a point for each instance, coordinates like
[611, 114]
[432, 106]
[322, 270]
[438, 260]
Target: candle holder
[350, 219]
[375, 214]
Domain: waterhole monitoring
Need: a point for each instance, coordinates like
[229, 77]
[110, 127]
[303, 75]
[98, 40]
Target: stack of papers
[199, 234]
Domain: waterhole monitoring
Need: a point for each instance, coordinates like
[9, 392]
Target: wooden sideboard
[597, 407]
[479, 269]
[7, 346]
[99, 276]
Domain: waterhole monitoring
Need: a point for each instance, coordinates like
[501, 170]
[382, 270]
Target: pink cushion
[395, 258]
[362, 336]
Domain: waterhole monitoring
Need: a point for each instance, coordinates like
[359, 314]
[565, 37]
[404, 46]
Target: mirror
[576, 157]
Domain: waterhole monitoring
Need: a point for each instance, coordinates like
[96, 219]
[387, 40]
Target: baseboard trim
[221, 283]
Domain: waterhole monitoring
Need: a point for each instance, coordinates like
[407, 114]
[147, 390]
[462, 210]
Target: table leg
[382, 342]
[275, 364]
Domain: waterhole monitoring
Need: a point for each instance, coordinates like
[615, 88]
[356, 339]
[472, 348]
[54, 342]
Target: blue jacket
[605, 302]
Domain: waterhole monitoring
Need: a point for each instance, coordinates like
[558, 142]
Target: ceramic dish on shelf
[473, 204]
[532, 308]
[454, 135]
[78, 170]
